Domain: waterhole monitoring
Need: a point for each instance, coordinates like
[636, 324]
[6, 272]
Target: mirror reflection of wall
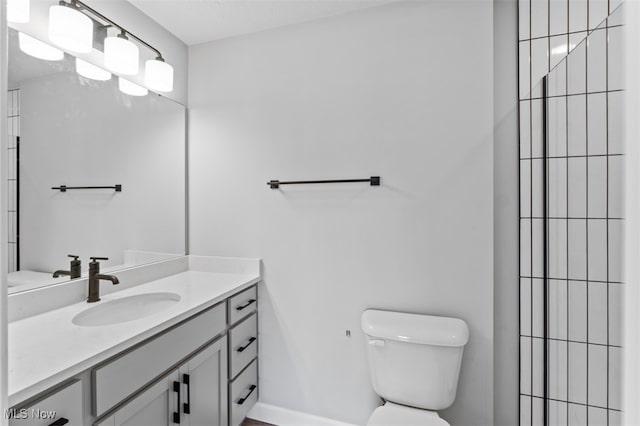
[79, 132]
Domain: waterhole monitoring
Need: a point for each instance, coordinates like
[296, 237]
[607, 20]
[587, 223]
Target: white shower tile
[11, 164]
[557, 127]
[537, 411]
[597, 187]
[558, 80]
[524, 64]
[598, 12]
[597, 124]
[615, 418]
[537, 128]
[597, 61]
[577, 373]
[557, 253]
[615, 58]
[557, 187]
[525, 188]
[577, 15]
[537, 188]
[12, 195]
[525, 129]
[615, 122]
[537, 247]
[577, 268]
[525, 247]
[615, 378]
[539, 65]
[577, 415]
[577, 196]
[615, 314]
[559, 48]
[577, 125]
[557, 413]
[539, 18]
[597, 313]
[525, 410]
[577, 311]
[613, 5]
[558, 14]
[537, 294]
[615, 250]
[615, 181]
[557, 309]
[597, 253]
[537, 367]
[576, 70]
[523, 20]
[557, 374]
[597, 416]
[598, 376]
[525, 365]
[525, 306]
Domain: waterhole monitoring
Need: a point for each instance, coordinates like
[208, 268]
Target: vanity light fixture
[91, 71]
[69, 28]
[121, 55]
[18, 11]
[130, 88]
[38, 49]
[158, 75]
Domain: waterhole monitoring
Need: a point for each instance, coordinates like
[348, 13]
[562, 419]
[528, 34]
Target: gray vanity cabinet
[63, 406]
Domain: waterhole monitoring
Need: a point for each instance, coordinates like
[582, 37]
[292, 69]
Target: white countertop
[48, 348]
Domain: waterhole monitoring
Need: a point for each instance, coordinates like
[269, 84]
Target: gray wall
[404, 91]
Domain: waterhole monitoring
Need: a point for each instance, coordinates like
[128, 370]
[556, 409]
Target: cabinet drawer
[243, 344]
[118, 379]
[243, 394]
[243, 304]
[65, 404]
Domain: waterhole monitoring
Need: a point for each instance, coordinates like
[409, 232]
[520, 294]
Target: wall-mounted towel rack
[274, 184]
[65, 188]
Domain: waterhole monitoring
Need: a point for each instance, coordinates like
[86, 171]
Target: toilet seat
[391, 414]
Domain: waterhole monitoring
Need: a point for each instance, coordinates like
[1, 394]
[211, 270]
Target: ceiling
[199, 21]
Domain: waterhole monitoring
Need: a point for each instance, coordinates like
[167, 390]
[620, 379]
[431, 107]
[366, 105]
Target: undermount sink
[125, 309]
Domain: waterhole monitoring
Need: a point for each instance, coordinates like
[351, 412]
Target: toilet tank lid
[415, 328]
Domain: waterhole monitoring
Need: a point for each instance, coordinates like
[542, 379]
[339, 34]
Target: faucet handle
[75, 256]
[95, 259]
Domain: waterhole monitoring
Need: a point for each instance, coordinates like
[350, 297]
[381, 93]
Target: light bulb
[91, 71]
[158, 75]
[70, 29]
[121, 55]
[18, 11]
[131, 88]
[38, 49]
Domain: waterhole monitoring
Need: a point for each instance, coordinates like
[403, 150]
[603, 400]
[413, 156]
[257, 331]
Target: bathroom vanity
[176, 344]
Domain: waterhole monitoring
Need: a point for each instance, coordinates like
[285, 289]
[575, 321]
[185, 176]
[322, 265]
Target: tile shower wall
[584, 213]
[13, 125]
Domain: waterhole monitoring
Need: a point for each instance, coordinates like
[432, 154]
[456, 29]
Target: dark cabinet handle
[61, 421]
[244, 398]
[246, 305]
[176, 415]
[187, 405]
[242, 348]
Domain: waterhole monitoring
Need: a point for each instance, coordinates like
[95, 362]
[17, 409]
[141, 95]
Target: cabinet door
[204, 379]
[64, 407]
[155, 406]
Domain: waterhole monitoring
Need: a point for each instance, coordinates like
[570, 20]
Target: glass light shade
[158, 75]
[38, 49]
[70, 29]
[91, 71]
[18, 11]
[121, 56]
[131, 88]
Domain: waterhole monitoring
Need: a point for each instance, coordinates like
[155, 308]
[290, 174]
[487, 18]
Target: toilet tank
[414, 359]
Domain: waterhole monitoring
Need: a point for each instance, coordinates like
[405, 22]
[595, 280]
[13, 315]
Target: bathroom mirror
[67, 130]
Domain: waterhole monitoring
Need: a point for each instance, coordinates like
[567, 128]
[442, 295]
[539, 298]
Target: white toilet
[414, 362]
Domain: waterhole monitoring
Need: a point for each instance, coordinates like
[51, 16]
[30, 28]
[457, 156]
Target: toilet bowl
[414, 364]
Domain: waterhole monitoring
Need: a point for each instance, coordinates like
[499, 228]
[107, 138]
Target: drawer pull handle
[61, 421]
[187, 405]
[242, 348]
[246, 305]
[244, 398]
[176, 414]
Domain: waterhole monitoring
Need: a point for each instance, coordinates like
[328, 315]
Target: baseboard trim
[284, 417]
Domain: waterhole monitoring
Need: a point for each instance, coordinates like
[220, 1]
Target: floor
[251, 422]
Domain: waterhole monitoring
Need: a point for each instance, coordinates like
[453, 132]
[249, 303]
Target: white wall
[84, 133]
[404, 91]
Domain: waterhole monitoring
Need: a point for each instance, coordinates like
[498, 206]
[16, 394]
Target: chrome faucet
[94, 279]
[74, 270]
